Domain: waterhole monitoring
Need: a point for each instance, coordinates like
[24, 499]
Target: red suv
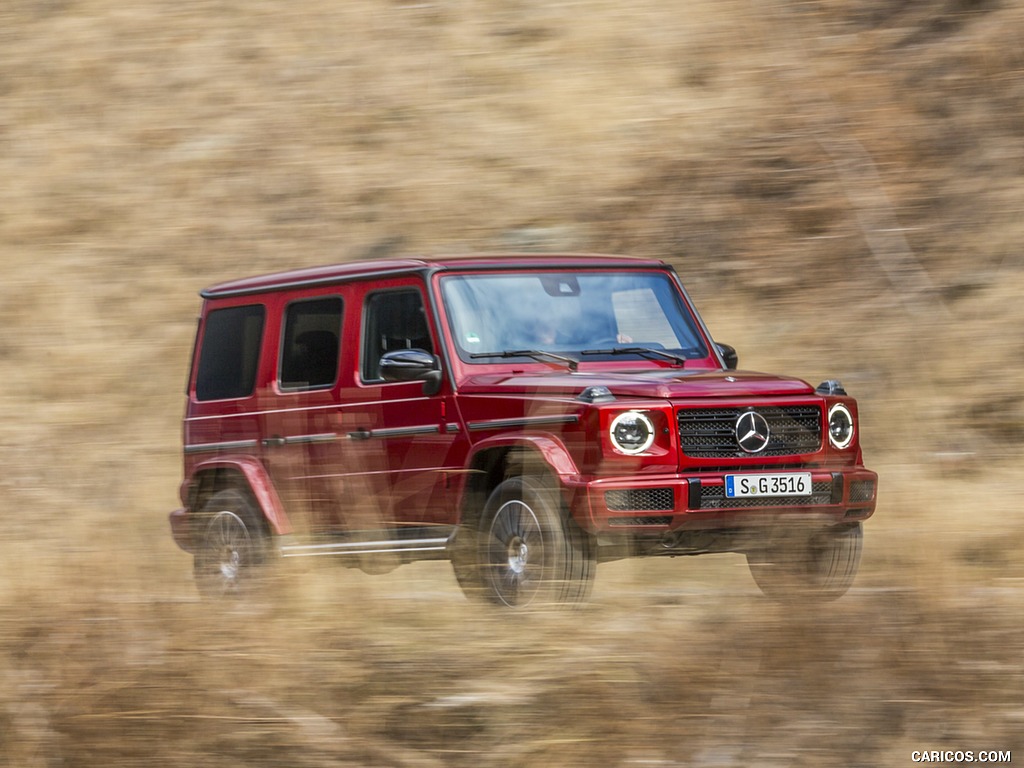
[525, 417]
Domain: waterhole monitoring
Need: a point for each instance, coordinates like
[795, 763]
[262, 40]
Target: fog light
[632, 432]
[840, 426]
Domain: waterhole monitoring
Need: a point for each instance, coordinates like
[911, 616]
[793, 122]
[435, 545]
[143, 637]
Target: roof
[337, 273]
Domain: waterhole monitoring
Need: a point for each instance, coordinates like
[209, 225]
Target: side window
[392, 320]
[230, 353]
[309, 346]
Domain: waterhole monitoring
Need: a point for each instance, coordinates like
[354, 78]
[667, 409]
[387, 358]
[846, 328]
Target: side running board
[380, 546]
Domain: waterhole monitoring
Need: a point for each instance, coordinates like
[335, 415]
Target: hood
[665, 384]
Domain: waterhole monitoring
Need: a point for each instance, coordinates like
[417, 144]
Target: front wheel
[231, 548]
[527, 549]
[819, 567]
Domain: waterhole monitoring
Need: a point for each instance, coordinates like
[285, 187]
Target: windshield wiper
[536, 354]
[644, 351]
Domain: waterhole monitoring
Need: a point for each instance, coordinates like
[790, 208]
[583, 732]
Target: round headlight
[632, 432]
[840, 426]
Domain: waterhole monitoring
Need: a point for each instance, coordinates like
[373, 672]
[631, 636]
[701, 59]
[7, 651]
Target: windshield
[603, 315]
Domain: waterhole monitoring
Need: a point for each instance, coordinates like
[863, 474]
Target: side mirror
[729, 356]
[412, 365]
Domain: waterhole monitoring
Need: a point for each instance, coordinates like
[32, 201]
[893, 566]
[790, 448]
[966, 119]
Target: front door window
[392, 320]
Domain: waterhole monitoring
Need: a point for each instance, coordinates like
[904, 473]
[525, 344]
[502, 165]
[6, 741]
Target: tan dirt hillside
[838, 183]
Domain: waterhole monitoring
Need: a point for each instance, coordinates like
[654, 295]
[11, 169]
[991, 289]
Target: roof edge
[363, 269]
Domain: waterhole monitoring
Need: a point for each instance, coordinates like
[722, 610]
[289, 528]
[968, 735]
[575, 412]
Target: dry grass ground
[838, 182]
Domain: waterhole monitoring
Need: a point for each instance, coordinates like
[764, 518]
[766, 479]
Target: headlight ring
[631, 432]
[840, 426]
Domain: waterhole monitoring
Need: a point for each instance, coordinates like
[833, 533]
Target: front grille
[654, 499]
[713, 497]
[711, 432]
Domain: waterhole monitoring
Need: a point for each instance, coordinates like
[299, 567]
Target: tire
[528, 552]
[232, 547]
[817, 568]
[465, 565]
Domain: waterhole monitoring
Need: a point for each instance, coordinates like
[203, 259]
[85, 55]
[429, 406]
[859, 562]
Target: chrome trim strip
[366, 434]
[323, 437]
[525, 421]
[229, 445]
[451, 428]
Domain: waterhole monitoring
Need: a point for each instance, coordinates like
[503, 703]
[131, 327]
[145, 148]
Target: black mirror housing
[729, 356]
[412, 365]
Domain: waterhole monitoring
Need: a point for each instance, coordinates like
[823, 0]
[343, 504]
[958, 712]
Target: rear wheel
[819, 567]
[231, 547]
[526, 550]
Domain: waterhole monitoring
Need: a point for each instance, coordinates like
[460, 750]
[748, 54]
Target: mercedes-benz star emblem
[752, 432]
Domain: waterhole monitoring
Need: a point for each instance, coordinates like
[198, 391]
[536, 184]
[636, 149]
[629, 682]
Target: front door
[403, 441]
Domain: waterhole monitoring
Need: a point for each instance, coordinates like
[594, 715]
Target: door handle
[360, 434]
[274, 442]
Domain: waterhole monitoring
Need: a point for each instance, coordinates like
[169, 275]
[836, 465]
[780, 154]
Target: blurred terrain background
[837, 181]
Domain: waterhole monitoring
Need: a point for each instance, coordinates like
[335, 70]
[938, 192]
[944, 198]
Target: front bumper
[660, 503]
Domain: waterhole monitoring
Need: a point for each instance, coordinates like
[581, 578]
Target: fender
[551, 449]
[256, 478]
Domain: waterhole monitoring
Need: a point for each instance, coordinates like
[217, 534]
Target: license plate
[767, 486]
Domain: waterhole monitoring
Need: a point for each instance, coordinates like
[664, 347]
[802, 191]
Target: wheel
[819, 567]
[232, 546]
[527, 550]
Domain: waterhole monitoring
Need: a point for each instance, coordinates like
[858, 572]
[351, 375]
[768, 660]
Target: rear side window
[309, 347]
[230, 353]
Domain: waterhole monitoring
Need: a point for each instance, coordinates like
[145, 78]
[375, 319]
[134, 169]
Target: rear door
[228, 380]
[299, 437]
